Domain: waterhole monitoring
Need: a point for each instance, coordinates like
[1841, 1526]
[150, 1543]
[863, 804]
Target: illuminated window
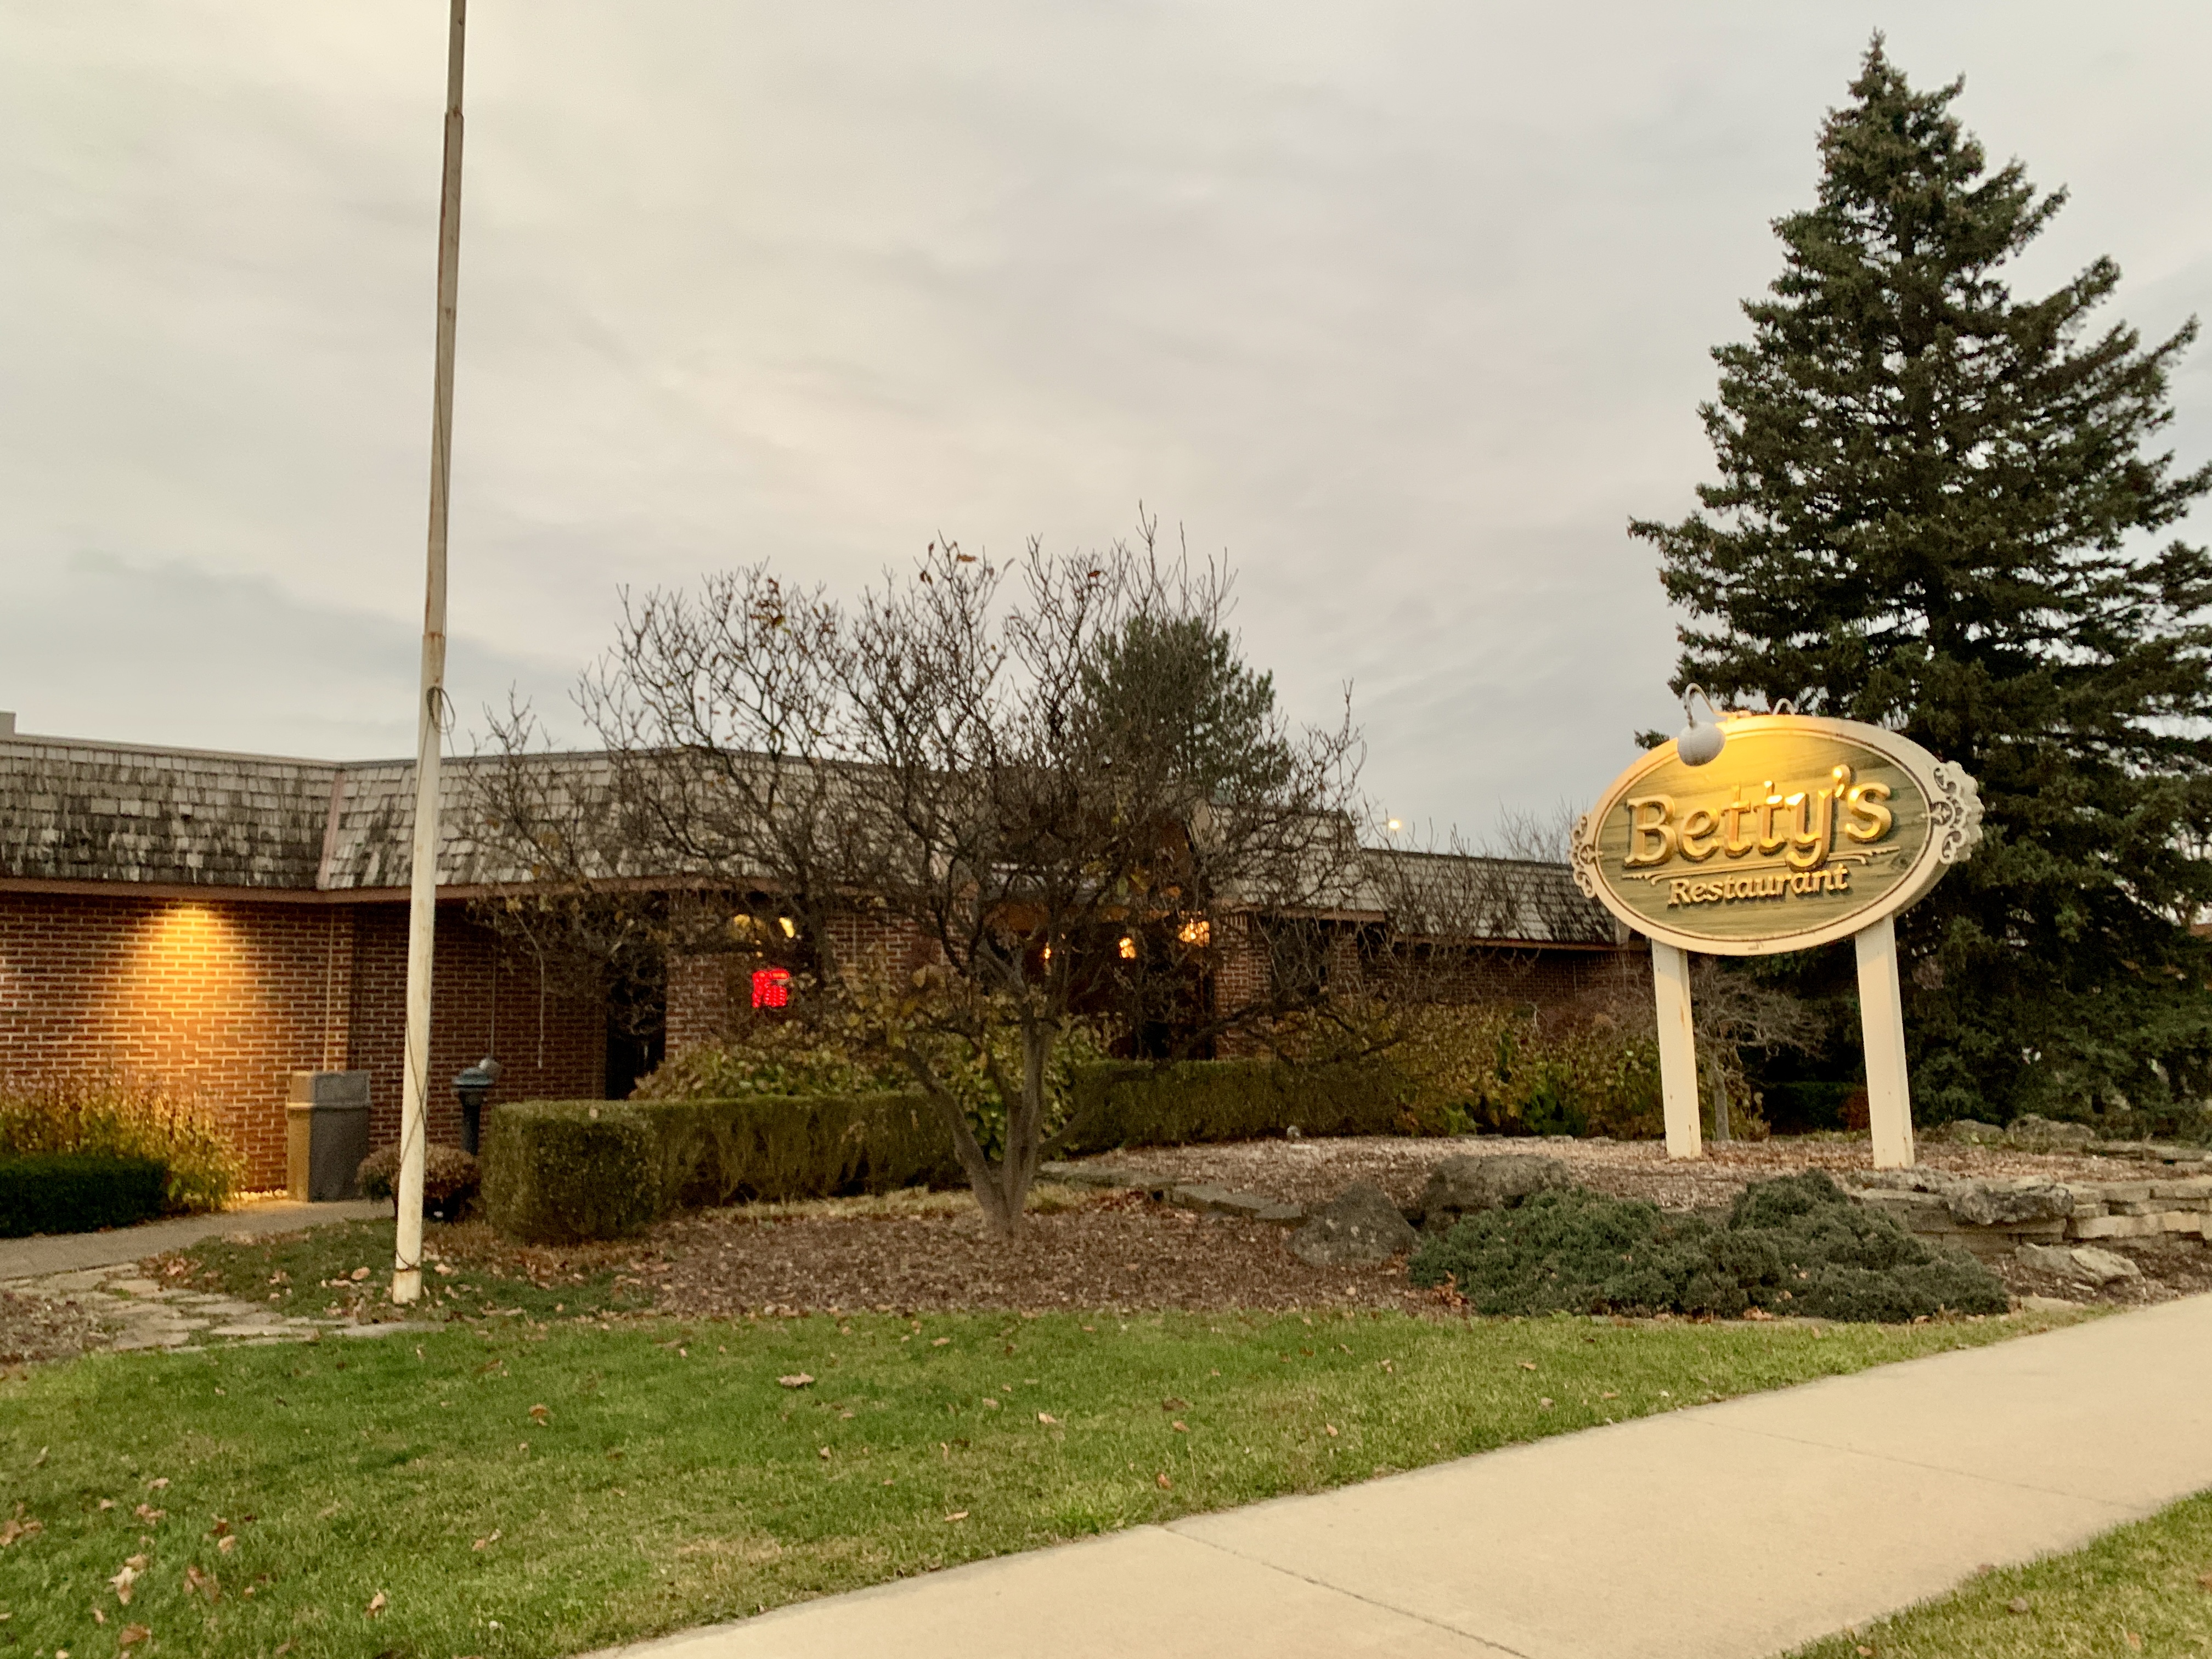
[1128, 949]
[771, 987]
[1197, 933]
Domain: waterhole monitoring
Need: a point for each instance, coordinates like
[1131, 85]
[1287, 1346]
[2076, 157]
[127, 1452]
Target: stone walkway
[99, 1275]
[140, 1312]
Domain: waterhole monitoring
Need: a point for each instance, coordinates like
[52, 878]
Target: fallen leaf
[125, 1577]
[957, 1515]
[1180, 1426]
[797, 1380]
[2134, 1640]
[1163, 1483]
[822, 1451]
[377, 1603]
[539, 1414]
[157, 1483]
[1528, 1364]
[487, 1541]
[150, 1514]
[1172, 1404]
[939, 1343]
[1331, 1427]
[357, 1275]
[12, 1530]
[2018, 1604]
[224, 1545]
[1047, 1417]
[131, 1637]
[98, 1617]
[1610, 1394]
[1544, 1402]
[108, 1503]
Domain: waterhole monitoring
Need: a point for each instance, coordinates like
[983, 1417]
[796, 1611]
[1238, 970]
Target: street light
[1699, 745]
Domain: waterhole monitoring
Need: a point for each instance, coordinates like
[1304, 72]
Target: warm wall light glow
[1197, 933]
[790, 928]
[1128, 949]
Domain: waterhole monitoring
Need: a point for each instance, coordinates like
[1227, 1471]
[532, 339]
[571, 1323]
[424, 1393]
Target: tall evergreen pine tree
[1936, 513]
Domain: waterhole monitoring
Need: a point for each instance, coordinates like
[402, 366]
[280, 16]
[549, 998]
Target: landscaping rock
[2043, 1135]
[1460, 1185]
[2081, 1262]
[1991, 1204]
[1972, 1132]
[1360, 1224]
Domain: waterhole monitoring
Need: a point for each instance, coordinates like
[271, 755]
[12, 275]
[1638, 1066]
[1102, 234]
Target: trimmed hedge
[78, 1192]
[777, 1148]
[1130, 1104]
[1796, 1245]
[556, 1171]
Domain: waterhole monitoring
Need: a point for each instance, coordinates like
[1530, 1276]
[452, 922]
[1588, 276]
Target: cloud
[1407, 306]
[106, 648]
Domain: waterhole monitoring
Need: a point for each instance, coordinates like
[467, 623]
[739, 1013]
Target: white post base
[1881, 1013]
[1678, 1050]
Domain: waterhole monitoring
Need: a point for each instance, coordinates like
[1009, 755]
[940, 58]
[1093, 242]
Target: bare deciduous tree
[977, 807]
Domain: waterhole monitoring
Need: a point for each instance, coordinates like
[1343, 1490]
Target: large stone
[2083, 1262]
[2043, 1135]
[1993, 1203]
[1970, 1132]
[1460, 1185]
[1360, 1224]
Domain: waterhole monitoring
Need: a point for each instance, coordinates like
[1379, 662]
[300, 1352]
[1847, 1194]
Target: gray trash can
[325, 1134]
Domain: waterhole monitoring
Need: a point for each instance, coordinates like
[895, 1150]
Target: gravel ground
[35, 1328]
[1312, 1171]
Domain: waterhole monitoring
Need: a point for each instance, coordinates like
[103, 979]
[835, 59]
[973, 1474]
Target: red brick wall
[219, 998]
[484, 1000]
[225, 1000]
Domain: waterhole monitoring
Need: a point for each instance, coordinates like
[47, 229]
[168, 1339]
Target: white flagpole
[422, 891]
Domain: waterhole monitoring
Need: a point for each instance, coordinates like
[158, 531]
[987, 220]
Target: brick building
[212, 923]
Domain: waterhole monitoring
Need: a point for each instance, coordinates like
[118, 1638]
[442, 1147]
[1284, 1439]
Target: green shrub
[450, 1179]
[130, 1120]
[1796, 1245]
[556, 1171]
[721, 1152]
[77, 1192]
[1132, 1103]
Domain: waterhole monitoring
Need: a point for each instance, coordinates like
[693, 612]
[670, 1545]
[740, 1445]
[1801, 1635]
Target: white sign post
[1789, 832]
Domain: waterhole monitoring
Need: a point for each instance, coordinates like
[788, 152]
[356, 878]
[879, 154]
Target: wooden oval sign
[1803, 830]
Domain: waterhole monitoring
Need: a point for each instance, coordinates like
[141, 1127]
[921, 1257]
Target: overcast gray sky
[1405, 307]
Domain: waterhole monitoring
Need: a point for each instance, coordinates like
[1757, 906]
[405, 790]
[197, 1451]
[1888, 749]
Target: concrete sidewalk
[26, 1258]
[1734, 1531]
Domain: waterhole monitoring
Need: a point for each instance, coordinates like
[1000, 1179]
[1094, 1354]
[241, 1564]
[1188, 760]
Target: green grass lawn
[521, 1488]
[2143, 1588]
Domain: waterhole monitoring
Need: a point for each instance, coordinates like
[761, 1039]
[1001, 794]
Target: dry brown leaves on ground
[1116, 1253]
[1312, 1171]
[33, 1328]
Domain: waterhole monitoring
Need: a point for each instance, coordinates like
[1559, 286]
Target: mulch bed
[36, 1327]
[1118, 1253]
